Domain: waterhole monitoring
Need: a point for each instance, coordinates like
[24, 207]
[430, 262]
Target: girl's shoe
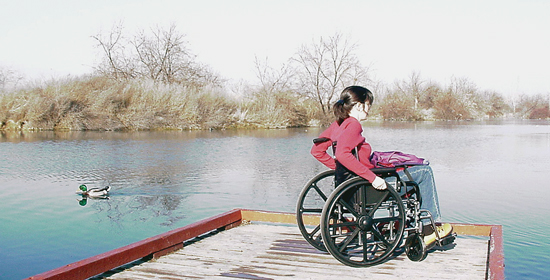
[443, 230]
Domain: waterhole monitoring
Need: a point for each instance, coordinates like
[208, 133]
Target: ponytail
[348, 98]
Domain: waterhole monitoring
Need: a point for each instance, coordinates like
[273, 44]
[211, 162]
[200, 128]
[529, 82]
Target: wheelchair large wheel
[310, 205]
[362, 226]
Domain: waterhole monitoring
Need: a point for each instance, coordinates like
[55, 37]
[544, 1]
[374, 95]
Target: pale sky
[499, 45]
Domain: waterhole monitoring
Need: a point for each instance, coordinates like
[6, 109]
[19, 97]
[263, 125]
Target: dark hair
[348, 98]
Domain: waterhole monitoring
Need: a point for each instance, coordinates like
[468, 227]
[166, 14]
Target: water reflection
[83, 200]
[31, 136]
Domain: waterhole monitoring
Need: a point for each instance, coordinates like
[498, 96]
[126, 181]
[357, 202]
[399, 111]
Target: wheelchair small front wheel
[310, 205]
[362, 226]
[415, 247]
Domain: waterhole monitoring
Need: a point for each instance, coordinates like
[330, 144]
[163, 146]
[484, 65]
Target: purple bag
[395, 158]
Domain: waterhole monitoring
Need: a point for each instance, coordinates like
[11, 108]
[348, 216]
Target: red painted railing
[496, 254]
[162, 243]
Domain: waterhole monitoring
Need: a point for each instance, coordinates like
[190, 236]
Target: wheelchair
[361, 226]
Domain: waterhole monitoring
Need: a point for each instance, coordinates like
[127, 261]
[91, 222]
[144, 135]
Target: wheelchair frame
[361, 226]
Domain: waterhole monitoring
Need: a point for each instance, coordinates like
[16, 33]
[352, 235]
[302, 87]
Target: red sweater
[348, 135]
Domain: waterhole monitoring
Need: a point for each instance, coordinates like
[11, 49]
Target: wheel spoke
[319, 191]
[344, 244]
[311, 210]
[379, 235]
[365, 247]
[377, 205]
[364, 200]
[385, 220]
[314, 231]
[348, 207]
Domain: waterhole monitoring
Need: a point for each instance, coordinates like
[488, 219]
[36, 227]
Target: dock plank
[268, 251]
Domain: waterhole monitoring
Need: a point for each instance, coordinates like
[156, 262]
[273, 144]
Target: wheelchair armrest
[385, 171]
[406, 165]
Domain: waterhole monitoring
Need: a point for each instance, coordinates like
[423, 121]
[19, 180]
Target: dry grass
[99, 103]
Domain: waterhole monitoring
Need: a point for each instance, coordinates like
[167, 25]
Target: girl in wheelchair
[352, 155]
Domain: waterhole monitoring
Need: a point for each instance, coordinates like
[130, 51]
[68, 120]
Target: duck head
[83, 188]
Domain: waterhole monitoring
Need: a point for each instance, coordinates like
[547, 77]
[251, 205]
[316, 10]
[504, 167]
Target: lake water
[486, 172]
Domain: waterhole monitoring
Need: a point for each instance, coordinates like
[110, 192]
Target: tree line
[151, 80]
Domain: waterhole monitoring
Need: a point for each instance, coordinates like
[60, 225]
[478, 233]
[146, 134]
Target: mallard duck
[93, 192]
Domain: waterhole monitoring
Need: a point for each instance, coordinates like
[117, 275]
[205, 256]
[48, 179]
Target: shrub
[533, 107]
[277, 109]
[399, 106]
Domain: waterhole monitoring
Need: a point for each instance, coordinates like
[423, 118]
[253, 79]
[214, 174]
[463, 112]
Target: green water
[491, 172]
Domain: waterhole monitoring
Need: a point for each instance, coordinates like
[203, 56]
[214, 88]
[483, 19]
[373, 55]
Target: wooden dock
[261, 251]
[262, 245]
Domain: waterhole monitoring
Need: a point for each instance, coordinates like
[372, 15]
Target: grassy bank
[100, 103]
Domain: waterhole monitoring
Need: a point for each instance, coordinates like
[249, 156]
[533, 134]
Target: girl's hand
[379, 183]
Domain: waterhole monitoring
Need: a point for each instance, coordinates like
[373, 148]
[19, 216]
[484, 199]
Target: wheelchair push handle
[320, 140]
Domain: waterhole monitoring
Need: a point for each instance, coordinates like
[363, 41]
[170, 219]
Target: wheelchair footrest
[449, 239]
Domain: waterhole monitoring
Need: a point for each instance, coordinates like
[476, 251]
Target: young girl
[345, 133]
[352, 153]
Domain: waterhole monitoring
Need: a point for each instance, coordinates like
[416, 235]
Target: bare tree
[161, 55]
[116, 62]
[271, 79]
[416, 88]
[164, 55]
[327, 67]
[9, 79]
[412, 87]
